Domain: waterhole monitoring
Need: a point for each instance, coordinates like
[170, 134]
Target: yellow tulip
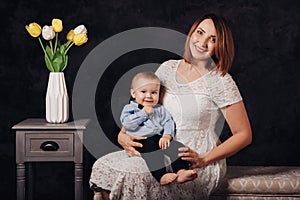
[80, 39]
[34, 29]
[70, 35]
[57, 25]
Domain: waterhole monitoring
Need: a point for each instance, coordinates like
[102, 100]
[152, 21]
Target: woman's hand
[193, 157]
[128, 142]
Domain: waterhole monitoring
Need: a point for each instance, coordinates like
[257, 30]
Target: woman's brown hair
[224, 51]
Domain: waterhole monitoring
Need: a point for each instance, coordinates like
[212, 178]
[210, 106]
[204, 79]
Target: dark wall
[266, 35]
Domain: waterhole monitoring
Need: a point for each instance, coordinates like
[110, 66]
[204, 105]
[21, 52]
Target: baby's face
[147, 94]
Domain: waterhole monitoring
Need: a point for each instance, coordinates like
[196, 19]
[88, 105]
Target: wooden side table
[39, 141]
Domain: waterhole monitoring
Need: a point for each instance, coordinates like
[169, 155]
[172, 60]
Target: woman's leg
[99, 193]
[97, 196]
[105, 194]
[102, 195]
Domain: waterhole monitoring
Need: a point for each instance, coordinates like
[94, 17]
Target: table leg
[78, 169]
[21, 181]
[30, 177]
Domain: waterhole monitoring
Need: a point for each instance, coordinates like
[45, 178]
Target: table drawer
[49, 144]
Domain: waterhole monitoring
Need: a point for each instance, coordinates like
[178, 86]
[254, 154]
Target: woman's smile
[200, 49]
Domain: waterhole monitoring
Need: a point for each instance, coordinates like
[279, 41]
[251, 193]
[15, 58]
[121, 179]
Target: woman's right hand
[192, 156]
[128, 142]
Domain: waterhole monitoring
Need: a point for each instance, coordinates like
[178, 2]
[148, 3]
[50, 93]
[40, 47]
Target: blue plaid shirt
[137, 122]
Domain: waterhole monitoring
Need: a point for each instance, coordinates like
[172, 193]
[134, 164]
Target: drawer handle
[49, 146]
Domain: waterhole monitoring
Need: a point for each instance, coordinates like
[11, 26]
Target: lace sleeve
[224, 91]
[161, 71]
[166, 69]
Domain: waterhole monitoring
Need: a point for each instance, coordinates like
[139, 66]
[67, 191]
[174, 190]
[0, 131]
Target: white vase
[57, 101]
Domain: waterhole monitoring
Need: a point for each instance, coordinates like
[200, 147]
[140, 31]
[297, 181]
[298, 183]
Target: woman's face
[203, 40]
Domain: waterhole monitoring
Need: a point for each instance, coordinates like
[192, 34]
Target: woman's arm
[237, 119]
[128, 142]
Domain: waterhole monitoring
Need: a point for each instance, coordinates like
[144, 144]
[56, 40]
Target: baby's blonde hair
[149, 76]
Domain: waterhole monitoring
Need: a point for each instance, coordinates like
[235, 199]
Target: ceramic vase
[57, 100]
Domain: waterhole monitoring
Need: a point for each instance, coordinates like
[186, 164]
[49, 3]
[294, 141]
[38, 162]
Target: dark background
[265, 68]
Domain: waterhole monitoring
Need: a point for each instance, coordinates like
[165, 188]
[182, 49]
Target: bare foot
[168, 178]
[186, 175]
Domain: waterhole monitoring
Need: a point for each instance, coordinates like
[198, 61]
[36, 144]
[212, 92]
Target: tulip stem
[50, 41]
[56, 38]
[68, 43]
[68, 48]
[46, 55]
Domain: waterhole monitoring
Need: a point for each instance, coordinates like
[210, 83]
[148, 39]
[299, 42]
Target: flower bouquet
[55, 55]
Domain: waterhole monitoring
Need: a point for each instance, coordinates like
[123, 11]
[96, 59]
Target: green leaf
[58, 62]
[48, 64]
[62, 49]
[66, 62]
[49, 52]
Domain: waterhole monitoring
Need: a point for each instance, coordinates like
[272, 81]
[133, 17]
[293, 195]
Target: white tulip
[48, 32]
[80, 29]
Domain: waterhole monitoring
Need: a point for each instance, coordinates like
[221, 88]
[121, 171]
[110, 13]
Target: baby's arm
[132, 118]
[167, 122]
[169, 128]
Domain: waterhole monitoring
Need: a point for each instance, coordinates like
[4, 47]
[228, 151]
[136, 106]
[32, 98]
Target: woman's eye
[199, 32]
[213, 39]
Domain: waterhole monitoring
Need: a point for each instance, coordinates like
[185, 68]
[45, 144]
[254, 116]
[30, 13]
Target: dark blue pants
[154, 156]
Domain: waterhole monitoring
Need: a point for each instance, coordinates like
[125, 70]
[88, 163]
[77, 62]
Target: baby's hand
[148, 109]
[164, 141]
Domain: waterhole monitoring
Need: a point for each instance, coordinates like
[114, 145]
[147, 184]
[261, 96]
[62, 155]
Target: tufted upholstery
[257, 182]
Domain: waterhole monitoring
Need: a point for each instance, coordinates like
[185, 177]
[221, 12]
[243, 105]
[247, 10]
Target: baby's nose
[148, 94]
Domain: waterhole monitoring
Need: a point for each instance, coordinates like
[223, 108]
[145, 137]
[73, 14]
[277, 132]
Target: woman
[197, 91]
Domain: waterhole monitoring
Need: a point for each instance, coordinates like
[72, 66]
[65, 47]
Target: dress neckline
[191, 82]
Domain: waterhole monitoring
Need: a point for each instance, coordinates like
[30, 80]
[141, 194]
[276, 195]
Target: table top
[38, 123]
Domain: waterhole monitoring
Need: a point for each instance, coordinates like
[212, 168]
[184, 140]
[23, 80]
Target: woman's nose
[203, 42]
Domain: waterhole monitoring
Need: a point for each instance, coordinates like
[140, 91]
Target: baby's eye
[154, 92]
[143, 91]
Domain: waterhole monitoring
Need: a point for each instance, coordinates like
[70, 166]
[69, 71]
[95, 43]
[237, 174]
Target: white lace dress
[195, 108]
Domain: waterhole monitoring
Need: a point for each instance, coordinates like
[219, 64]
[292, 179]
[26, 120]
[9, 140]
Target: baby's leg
[186, 175]
[168, 178]
[176, 162]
